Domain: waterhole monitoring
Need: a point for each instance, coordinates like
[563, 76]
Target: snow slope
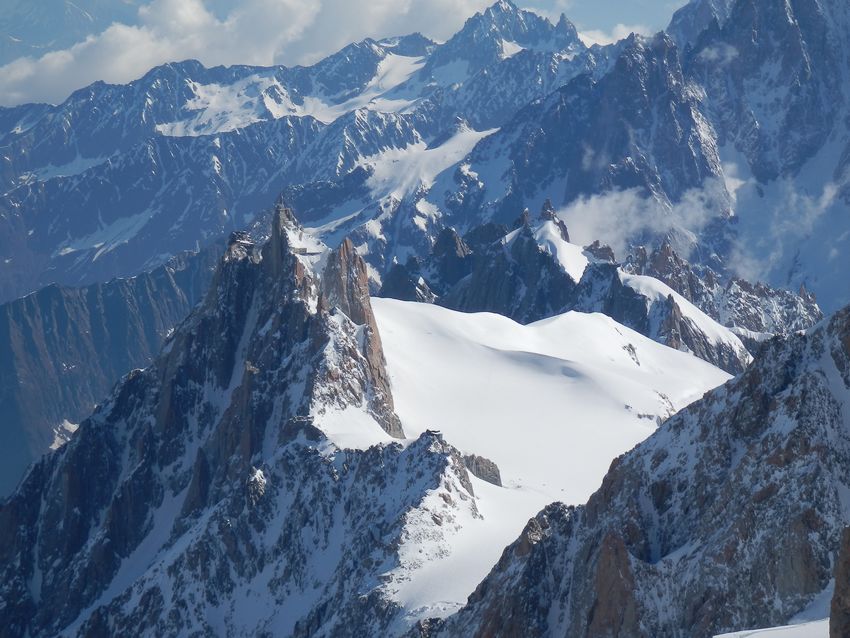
[551, 403]
[819, 629]
[219, 108]
[656, 291]
[398, 172]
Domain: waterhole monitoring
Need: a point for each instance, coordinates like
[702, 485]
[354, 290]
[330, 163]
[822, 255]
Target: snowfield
[819, 629]
[552, 403]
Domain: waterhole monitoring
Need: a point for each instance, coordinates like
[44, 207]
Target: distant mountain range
[388, 142]
[436, 339]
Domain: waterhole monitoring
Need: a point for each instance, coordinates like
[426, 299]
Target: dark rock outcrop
[839, 616]
[406, 283]
[485, 469]
[516, 279]
[63, 349]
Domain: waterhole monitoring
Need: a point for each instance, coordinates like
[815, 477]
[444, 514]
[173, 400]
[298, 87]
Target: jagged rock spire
[345, 286]
[547, 213]
[278, 249]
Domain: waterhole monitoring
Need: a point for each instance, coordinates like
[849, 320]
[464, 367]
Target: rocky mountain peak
[653, 61]
[567, 29]
[345, 287]
[501, 31]
[696, 16]
[547, 213]
[501, 8]
[411, 45]
[449, 243]
[601, 252]
[523, 221]
[345, 283]
[276, 349]
[754, 310]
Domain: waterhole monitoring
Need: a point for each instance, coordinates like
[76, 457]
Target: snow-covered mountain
[118, 177]
[388, 142]
[583, 383]
[67, 347]
[251, 480]
[729, 517]
[300, 459]
[535, 272]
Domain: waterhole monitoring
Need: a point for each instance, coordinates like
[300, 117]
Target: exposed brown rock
[485, 469]
[345, 285]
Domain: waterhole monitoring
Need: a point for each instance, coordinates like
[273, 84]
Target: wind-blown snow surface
[552, 403]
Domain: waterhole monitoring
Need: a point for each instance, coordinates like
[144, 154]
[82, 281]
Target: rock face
[483, 468]
[62, 350]
[207, 479]
[534, 273]
[516, 279]
[839, 617]
[407, 284]
[346, 287]
[729, 516]
[696, 16]
[797, 53]
[737, 303]
[643, 108]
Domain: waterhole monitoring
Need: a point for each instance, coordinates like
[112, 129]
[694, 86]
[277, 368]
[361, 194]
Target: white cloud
[261, 32]
[779, 221]
[721, 54]
[622, 219]
[617, 33]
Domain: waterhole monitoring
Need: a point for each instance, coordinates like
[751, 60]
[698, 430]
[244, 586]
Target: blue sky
[260, 32]
[604, 16]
